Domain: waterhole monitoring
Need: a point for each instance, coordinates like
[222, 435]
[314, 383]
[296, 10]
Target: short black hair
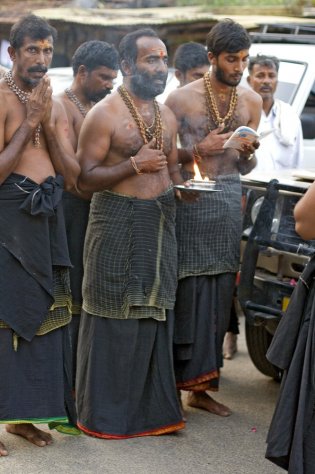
[263, 60]
[31, 26]
[190, 55]
[128, 50]
[93, 54]
[229, 36]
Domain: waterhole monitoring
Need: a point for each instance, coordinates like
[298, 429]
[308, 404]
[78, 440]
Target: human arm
[304, 214]
[247, 159]
[101, 141]
[56, 130]
[193, 148]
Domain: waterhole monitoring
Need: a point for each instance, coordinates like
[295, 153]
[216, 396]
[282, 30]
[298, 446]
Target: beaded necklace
[76, 101]
[23, 98]
[212, 108]
[155, 130]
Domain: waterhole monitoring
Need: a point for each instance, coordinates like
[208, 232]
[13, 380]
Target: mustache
[43, 69]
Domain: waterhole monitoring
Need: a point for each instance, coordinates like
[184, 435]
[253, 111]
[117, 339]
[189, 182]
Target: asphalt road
[209, 444]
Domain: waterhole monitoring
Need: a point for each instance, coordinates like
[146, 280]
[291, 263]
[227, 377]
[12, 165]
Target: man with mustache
[209, 231]
[36, 160]
[127, 149]
[283, 147]
[95, 66]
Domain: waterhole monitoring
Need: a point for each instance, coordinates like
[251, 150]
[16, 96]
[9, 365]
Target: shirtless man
[35, 158]
[209, 231]
[95, 65]
[127, 149]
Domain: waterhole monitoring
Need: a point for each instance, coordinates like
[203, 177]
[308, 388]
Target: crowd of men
[125, 283]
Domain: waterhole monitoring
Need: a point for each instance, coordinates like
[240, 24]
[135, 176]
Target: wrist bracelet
[195, 154]
[134, 165]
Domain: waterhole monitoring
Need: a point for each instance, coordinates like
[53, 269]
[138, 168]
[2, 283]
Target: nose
[109, 83]
[40, 57]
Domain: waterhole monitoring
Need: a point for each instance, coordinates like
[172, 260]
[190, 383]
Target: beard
[220, 76]
[97, 96]
[143, 84]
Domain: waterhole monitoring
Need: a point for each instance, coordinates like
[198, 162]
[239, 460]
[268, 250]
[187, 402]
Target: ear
[82, 71]
[178, 74]
[212, 58]
[126, 67]
[12, 53]
[248, 79]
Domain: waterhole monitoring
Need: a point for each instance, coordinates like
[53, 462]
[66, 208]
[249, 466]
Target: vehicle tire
[258, 341]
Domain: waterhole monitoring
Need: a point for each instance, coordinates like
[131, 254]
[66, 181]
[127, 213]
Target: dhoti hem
[201, 383]
[125, 385]
[156, 432]
[35, 421]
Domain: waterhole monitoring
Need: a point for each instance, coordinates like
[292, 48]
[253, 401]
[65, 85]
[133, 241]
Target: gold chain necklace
[23, 98]
[76, 101]
[155, 130]
[212, 108]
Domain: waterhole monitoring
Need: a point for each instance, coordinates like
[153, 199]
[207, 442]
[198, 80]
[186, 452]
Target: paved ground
[208, 445]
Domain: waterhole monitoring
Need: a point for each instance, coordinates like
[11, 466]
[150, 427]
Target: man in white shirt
[283, 146]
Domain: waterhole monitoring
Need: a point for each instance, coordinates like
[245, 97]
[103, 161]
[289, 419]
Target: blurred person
[95, 66]
[291, 436]
[282, 148]
[190, 62]
[127, 149]
[36, 161]
[209, 231]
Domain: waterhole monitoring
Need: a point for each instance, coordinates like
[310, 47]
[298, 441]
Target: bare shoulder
[249, 95]
[167, 114]
[181, 99]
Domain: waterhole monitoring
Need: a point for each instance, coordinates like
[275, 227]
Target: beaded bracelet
[134, 165]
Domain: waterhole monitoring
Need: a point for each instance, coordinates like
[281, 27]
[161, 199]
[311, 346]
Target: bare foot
[205, 402]
[31, 433]
[3, 451]
[179, 396]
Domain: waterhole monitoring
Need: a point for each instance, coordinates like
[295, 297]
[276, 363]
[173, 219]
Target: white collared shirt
[283, 147]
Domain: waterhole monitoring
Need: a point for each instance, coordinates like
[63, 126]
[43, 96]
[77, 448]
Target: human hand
[213, 142]
[149, 159]
[249, 149]
[39, 105]
[187, 196]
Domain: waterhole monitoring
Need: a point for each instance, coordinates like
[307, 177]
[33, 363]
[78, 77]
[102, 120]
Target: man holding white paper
[282, 148]
[209, 230]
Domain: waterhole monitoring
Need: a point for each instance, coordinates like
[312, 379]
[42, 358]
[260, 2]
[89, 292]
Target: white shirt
[283, 147]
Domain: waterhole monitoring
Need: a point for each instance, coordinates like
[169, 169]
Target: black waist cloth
[76, 211]
[293, 350]
[32, 240]
[130, 254]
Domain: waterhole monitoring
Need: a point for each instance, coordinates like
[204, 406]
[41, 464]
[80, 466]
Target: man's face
[33, 59]
[99, 83]
[264, 80]
[229, 67]
[149, 74]
[193, 74]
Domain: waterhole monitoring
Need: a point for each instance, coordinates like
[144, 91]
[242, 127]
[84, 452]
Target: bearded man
[209, 230]
[127, 150]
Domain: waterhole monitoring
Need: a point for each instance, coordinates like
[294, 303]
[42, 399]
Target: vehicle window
[290, 76]
[308, 116]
